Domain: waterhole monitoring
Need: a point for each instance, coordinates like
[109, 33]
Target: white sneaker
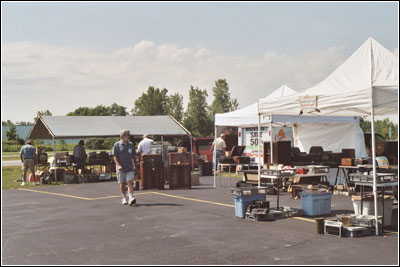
[132, 201]
[124, 201]
[34, 183]
[23, 184]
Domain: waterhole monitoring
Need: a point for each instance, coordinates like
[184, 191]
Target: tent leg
[215, 156]
[191, 152]
[374, 171]
[272, 140]
[259, 150]
[55, 160]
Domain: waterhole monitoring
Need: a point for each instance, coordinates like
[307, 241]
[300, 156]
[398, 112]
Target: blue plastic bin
[242, 202]
[314, 204]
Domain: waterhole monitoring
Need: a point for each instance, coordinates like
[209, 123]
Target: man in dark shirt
[80, 155]
[124, 158]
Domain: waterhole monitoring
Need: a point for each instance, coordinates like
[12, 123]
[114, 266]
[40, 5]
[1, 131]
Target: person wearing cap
[145, 145]
[124, 158]
[80, 155]
[27, 155]
[220, 147]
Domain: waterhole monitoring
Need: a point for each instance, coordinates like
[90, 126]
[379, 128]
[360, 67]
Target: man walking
[27, 155]
[220, 147]
[124, 158]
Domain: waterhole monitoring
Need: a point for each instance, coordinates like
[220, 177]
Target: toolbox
[358, 231]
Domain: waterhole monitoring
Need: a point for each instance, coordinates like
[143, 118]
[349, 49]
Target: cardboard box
[182, 149]
[347, 161]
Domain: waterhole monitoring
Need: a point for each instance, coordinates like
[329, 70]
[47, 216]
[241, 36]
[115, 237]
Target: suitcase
[226, 160]
[349, 153]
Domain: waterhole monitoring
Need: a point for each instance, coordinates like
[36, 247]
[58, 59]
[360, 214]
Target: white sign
[308, 102]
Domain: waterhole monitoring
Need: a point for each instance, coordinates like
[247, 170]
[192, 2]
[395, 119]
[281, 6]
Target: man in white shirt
[144, 145]
[220, 147]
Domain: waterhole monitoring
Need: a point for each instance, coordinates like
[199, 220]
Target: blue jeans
[218, 154]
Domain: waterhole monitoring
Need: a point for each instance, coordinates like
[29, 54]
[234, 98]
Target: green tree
[222, 99]
[383, 127]
[100, 110]
[24, 123]
[196, 118]
[153, 102]
[11, 133]
[42, 113]
[5, 123]
[175, 106]
[117, 110]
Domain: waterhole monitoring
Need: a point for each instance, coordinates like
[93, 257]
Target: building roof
[71, 127]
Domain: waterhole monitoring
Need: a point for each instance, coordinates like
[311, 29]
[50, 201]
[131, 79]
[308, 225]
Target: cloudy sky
[61, 56]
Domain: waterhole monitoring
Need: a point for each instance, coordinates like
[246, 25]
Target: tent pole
[215, 155]
[55, 160]
[259, 150]
[374, 170]
[191, 152]
[272, 140]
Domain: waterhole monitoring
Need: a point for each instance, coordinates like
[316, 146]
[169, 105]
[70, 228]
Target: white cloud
[38, 76]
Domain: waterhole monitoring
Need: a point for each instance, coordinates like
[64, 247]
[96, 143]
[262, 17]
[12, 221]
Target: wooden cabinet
[281, 152]
[151, 172]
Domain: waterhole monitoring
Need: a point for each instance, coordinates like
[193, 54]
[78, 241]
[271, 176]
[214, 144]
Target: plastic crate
[243, 201]
[314, 204]
[368, 209]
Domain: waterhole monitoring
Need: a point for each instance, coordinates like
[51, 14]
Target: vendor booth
[366, 84]
[74, 127]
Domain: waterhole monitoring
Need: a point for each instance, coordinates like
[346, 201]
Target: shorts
[124, 176]
[28, 164]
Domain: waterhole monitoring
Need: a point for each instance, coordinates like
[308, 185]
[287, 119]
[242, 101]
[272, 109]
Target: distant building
[23, 131]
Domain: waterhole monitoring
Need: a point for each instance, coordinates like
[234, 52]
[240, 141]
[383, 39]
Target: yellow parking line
[136, 194]
[50, 193]
[303, 219]
[157, 193]
[194, 199]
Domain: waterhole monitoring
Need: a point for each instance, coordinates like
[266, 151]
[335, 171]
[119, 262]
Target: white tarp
[332, 137]
[248, 116]
[370, 72]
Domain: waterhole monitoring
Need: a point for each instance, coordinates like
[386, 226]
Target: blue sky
[86, 48]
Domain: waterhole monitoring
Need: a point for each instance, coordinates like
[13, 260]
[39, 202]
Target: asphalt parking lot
[86, 224]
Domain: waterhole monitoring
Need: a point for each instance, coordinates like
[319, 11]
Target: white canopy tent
[304, 127]
[247, 116]
[367, 83]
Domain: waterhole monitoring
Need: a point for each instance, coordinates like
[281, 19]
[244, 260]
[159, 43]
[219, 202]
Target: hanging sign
[308, 102]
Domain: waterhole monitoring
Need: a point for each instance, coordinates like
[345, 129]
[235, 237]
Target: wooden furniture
[151, 171]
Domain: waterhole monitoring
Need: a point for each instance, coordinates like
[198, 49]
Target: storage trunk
[241, 160]
[349, 153]
[151, 171]
[179, 176]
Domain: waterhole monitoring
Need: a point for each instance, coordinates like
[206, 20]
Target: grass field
[11, 178]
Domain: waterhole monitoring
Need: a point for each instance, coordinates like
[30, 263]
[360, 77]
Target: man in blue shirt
[124, 158]
[27, 155]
